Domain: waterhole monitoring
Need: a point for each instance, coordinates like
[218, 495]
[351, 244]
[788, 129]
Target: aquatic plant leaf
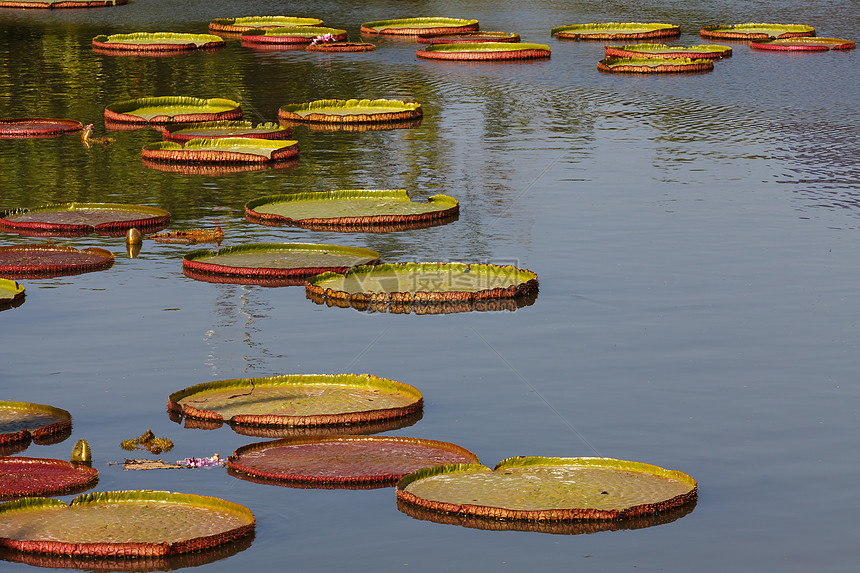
[71, 219]
[148, 441]
[667, 52]
[756, 31]
[484, 51]
[190, 236]
[11, 293]
[616, 31]
[24, 420]
[50, 260]
[654, 65]
[26, 477]
[803, 44]
[290, 35]
[416, 26]
[37, 127]
[226, 128]
[343, 461]
[221, 150]
[351, 111]
[56, 4]
[156, 41]
[340, 46]
[235, 25]
[468, 37]
[172, 109]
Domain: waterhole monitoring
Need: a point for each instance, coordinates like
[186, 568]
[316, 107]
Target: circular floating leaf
[424, 282]
[348, 208]
[277, 261]
[416, 26]
[484, 51]
[122, 524]
[216, 169]
[445, 307]
[156, 42]
[756, 31]
[351, 111]
[803, 44]
[50, 260]
[11, 294]
[654, 65]
[21, 421]
[27, 477]
[354, 127]
[182, 132]
[172, 109]
[21, 127]
[468, 37]
[616, 31]
[83, 218]
[341, 47]
[342, 461]
[235, 25]
[298, 400]
[290, 35]
[50, 4]
[551, 489]
[221, 150]
[668, 52]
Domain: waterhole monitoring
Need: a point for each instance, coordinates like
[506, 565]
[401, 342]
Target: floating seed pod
[238, 25]
[351, 111]
[223, 150]
[419, 26]
[142, 42]
[50, 260]
[468, 37]
[172, 109]
[654, 65]
[616, 31]
[803, 44]
[28, 477]
[11, 294]
[75, 219]
[21, 421]
[668, 52]
[484, 51]
[756, 31]
[81, 453]
[28, 127]
[181, 132]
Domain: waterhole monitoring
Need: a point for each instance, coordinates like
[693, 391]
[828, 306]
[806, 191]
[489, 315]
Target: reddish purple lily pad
[341, 47]
[344, 461]
[468, 37]
[50, 260]
[27, 477]
[22, 421]
[52, 4]
[803, 44]
[72, 219]
[21, 127]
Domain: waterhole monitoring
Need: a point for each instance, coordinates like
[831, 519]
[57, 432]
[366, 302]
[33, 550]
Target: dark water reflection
[694, 237]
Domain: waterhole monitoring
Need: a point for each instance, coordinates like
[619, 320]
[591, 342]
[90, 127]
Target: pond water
[695, 237]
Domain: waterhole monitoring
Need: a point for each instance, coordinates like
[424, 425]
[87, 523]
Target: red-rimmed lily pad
[436, 307]
[21, 127]
[803, 44]
[343, 461]
[468, 37]
[549, 489]
[417, 26]
[181, 132]
[351, 111]
[11, 294]
[22, 421]
[484, 51]
[350, 208]
[340, 47]
[757, 31]
[318, 126]
[290, 35]
[51, 4]
[274, 264]
[654, 65]
[172, 109]
[156, 42]
[28, 477]
[69, 219]
[50, 260]
[122, 524]
[238, 25]
[298, 400]
[218, 169]
[616, 31]
[668, 52]
[222, 150]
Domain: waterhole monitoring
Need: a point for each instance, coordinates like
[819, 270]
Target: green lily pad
[156, 41]
[54, 4]
[655, 65]
[51, 260]
[122, 524]
[221, 150]
[484, 51]
[236, 25]
[616, 31]
[351, 111]
[551, 489]
[22, 421]
[20, 127]
[181, 132]
[298, 400]
[290, 35]
[468, 37]
[11, 294]
[28, 477]
[803, 44]
[343, 461]
[69, 219]
[668, 52]
[340, 46]
[350, 208]
[172, 109]
[416, 26]
[757, 31]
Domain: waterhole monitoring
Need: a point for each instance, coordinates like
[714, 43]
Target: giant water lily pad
[803, 44]
[50, 260]
[424, 282]
[172, 109]
[238, 25]
[550, 489]
[468, 37]
[122, 524]
[351, 111]
[343, 461]
[182, 132]
[416, 26]
[222, 150]
[274, 264]
[83, 218]
[757, 31]
[616, 31]
[22, 421]
[654, 65]
[298, 400]
[27, 477]
[218, 169]
[350, 208]
[484, 51]
[21, 127]
[51, 4]
[668, 52]
[340, 46]
[11, 293]
[156, 42]
[291, 35]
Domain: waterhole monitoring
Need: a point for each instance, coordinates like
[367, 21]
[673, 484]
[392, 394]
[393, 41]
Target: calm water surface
[695, 236]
